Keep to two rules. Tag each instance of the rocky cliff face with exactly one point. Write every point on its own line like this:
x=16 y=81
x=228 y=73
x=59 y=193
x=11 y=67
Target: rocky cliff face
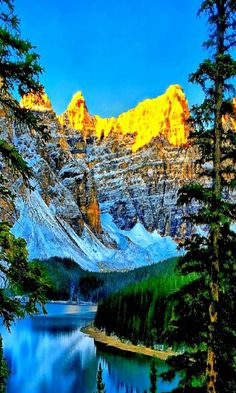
x=143 y=186
x=139 y=160
x=63 y=180
x=162 y=116
x=105 y=190
x=39 y=102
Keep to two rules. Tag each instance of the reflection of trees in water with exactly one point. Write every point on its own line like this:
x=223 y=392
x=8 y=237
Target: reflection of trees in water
x=123 y=372
x=126 y=372
x=55 y=325
x=84 y=375
x=51 y=354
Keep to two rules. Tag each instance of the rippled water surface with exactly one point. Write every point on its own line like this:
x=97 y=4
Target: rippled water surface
x=49 y=354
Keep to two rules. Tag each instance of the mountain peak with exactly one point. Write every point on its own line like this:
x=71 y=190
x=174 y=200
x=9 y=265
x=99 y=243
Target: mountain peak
x=165 y=115
x=78 y=96
x=36 y=102
x=76 y=114
x=174 y=89
x=77 y=101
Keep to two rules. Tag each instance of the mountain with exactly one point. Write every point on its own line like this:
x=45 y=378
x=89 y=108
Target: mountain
x=165 y=115
x=105 y=190
x=139 y=160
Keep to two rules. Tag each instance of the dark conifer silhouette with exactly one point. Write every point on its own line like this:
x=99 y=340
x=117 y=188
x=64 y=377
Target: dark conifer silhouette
x=153 y=378
x=100 y=384
x=202 y=323
x=19 y=73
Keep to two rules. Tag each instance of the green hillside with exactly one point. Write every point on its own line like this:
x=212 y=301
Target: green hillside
x=141 y=311
x=69 y=281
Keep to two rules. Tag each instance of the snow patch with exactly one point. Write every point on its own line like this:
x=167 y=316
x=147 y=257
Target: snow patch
x=48 y=235
x=139 y=244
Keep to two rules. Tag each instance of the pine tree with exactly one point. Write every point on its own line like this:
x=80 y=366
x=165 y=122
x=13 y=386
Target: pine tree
x=3 y=370
x=19 y=74
x=153 y=378
x=100 y=384
x=19 y=71
x=19 y=67
x=203 y=323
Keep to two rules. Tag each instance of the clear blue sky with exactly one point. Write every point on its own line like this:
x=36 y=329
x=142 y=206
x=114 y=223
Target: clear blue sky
x=118 y=52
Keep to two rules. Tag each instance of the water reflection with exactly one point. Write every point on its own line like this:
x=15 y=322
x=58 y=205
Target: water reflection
x=49 y=354
x=129 y=373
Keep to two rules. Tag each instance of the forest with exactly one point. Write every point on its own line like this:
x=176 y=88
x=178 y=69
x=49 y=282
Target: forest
x=67 y=281
x=142 y=311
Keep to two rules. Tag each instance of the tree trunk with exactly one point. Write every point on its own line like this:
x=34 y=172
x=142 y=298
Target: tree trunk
x=211 y=371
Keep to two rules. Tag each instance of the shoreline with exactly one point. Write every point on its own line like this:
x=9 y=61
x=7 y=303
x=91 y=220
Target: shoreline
x=70 y=302
x=114 y=342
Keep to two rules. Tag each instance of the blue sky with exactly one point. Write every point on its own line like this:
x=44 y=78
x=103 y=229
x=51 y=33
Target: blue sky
x=117 y=52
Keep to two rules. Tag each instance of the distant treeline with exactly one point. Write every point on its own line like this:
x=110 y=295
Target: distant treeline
x=141 y=312
x=68 y=281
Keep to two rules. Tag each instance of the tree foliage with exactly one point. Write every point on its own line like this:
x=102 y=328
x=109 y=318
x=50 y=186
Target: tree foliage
x=100 y=384
x=19 y=65
x=19 y=74
x=140 y=312
x=64 y=273
x=3 y=369
x=153 y=378
x=203 y=320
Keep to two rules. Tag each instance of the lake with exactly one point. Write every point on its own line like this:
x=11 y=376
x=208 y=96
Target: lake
x=49 y=354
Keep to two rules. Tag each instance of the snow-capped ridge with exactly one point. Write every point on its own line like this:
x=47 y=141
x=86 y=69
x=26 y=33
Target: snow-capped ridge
x=48 y=235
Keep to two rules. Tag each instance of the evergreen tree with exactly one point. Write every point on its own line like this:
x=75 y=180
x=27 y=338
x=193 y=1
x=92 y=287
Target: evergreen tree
x=153 y=378
x=19 y=71
x=100 y=384
x=19 y=67
x=3 y=370
x=19 y=74
x=202 y=324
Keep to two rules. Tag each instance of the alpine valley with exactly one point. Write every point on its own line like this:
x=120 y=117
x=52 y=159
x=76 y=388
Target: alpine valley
x=103 y=191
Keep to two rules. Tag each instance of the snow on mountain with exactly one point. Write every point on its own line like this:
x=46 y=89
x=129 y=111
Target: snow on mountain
x=140 y=245
x=104 y=196
x=47 y=236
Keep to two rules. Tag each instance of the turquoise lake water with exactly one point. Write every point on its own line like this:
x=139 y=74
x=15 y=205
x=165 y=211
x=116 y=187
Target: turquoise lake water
x=49 y=354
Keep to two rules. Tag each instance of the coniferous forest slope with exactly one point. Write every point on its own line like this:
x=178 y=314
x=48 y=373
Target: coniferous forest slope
x=140 y=312
x=67 y=281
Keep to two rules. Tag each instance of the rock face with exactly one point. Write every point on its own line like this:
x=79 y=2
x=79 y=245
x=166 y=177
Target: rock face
x=63 y=180
x=77 y=116
x=165 y=115
x=37 y=102
x=143 y=186
x=139 y=160
x=105 y=190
